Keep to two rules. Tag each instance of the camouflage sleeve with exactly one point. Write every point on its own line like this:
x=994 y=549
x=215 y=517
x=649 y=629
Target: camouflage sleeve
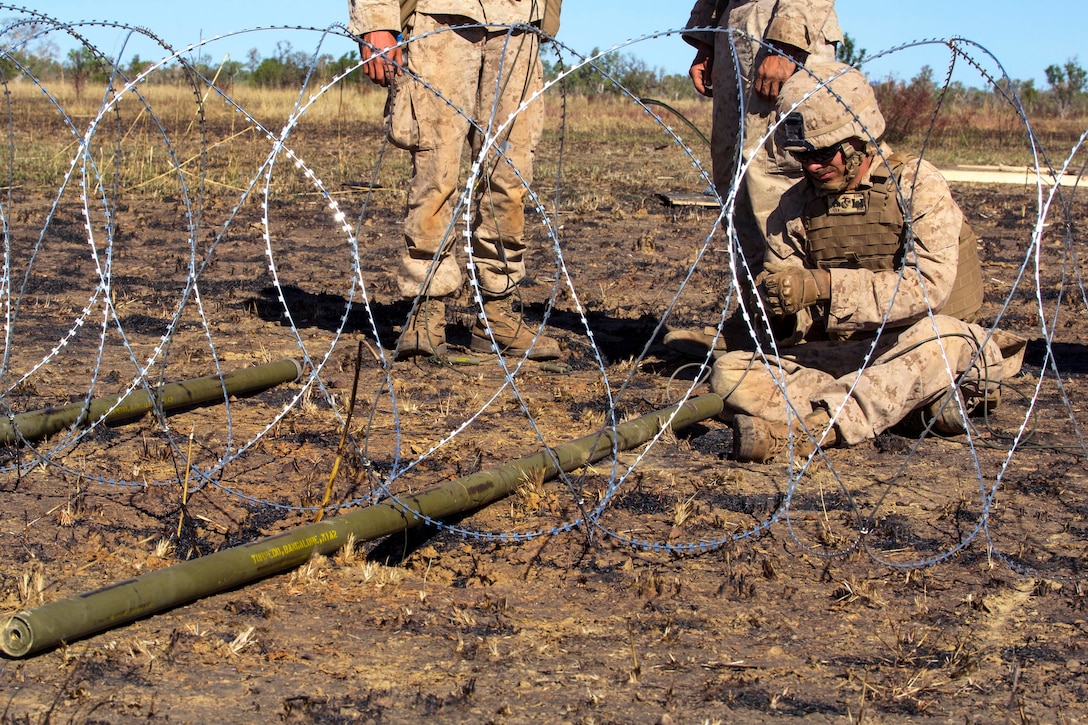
x=862 y=300
x=786 y=238
x=703 y=15
x=786 y=241
x=804 y=24
x=368 y=15
x=365 y=16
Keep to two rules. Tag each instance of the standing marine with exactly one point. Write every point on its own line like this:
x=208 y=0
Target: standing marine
x=466 y=67
x=762 y=43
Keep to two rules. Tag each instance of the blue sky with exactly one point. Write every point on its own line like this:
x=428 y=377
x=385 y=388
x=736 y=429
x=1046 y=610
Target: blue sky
x=1024 y=42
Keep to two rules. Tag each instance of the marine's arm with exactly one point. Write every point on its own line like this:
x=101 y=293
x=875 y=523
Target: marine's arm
x=377 y=23
x=703 y=15
x=794 y=30
x=366 y=16
x=784 y=263
x=800 y=24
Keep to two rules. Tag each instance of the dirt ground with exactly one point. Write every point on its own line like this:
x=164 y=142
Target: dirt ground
x=901 y=580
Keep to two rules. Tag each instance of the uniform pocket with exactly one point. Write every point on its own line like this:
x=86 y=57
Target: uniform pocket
x=400 y=112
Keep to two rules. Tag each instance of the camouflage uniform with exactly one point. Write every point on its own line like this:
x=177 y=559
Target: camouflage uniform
x=811 y=26
x=821 y=364
x=466 y=66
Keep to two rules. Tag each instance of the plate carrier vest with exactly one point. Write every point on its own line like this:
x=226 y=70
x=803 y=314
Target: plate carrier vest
x=874 y=237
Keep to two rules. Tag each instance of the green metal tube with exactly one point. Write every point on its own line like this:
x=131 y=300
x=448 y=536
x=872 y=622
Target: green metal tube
x=67 y=620
x=38 y=424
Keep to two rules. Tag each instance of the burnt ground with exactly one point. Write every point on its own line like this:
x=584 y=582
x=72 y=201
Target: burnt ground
x=840 y=593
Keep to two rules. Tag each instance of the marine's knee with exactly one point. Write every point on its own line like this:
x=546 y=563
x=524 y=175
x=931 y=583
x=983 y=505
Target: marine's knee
x=729 y=373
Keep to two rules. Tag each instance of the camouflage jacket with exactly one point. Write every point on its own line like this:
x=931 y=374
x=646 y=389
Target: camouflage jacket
x=862 y=299
x=369 y=15
x=802 y=24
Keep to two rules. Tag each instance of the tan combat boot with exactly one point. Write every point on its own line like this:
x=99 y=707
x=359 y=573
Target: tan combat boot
x=948 y=420
x=735 y=335
x=697 y=343
x=425 y=332
x=513 y=335
x=759 y=440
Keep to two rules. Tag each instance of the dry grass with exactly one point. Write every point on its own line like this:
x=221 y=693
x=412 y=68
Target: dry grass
x=995 y=137
x=31 y=585
x=241 y=641
x=164 y=549
x=613 y=149
x=177 y=107
x=614 y=118
x=349 y=553
x=684 y=510
x=533 y=498
x=147 y=141
x=379 y=575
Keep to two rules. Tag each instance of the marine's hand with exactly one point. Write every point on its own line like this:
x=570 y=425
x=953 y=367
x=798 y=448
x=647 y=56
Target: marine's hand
x=701 y=69
x=792 y=290
x=382 y=59
x=773 y=72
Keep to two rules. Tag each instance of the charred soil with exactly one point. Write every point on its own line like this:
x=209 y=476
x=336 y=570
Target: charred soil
x=856 y=601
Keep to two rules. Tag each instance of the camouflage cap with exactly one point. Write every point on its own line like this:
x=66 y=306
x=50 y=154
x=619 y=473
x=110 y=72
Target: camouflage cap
x=844 y=108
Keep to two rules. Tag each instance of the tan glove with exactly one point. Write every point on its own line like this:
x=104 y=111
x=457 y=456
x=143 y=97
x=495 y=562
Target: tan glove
x=792 y=290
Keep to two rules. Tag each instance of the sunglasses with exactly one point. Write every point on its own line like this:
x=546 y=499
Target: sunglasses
x=818 y=156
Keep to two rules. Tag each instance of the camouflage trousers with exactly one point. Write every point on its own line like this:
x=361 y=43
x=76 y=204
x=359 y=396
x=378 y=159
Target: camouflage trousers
x=907 y=370
x=483 y=77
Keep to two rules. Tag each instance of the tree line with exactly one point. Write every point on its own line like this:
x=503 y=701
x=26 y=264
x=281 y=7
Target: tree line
x=610 y=75
x=286 y=68
x=909 y=104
